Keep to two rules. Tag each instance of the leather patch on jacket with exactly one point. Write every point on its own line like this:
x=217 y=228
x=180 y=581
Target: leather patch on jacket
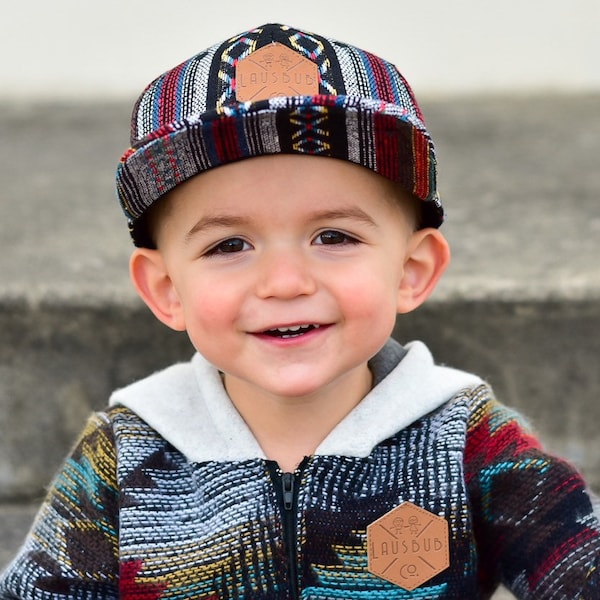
x=273 y=71
x=408 y=546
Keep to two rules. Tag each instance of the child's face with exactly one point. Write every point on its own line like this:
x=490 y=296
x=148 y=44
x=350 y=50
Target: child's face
x=286 y=271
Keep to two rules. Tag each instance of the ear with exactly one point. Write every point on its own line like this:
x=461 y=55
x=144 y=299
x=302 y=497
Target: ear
x=151 y=280
x=427 y=257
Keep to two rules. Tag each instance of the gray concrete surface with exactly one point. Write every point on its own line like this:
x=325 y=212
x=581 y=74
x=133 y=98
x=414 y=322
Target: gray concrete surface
x=519 y=305
x=16 y=521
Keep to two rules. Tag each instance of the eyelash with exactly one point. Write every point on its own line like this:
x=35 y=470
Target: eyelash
x=342 y=239
x=218 y=249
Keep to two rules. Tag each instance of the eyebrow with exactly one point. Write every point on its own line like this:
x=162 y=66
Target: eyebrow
x=214 y=221
x=352 y=212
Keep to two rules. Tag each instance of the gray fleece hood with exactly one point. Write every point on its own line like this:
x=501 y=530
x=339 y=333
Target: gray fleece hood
x=188 y=405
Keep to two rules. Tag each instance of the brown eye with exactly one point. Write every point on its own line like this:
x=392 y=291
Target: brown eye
x=232 y=245
x=332 y=236
x=229 y=246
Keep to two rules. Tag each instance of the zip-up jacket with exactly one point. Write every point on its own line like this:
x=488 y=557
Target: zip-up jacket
x=168 y=495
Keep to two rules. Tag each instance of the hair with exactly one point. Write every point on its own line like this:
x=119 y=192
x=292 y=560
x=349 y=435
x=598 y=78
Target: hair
x=148 y=225
x=411 y=206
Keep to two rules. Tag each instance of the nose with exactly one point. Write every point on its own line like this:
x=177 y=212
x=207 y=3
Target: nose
x=285 y=273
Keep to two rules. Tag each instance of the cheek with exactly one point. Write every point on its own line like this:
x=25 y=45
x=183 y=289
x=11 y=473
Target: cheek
x=208 y=306
x=210 y=316
x=370 y=294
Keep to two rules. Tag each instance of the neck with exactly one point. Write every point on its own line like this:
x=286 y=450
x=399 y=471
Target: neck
x=290 y=428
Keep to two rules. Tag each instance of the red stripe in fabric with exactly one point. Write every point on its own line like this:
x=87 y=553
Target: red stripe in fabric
x=168 y=100
x=152 y=166
x=170 y=152
x=572 y=484
x=421 y=165
x=386 y=146
x=225 y=134
x=383 y=85
x=559 y=553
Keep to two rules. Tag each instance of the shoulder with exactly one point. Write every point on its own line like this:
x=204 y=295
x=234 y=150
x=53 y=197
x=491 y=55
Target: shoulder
x=495 y=430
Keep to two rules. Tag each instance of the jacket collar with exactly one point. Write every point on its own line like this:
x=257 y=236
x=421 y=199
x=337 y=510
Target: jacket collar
x=189 y=407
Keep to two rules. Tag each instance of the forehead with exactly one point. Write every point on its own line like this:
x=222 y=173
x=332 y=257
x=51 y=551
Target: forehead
x=288 y=186
x=297 y=178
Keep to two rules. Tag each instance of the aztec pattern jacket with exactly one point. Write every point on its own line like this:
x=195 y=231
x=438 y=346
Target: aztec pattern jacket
x=168 y=495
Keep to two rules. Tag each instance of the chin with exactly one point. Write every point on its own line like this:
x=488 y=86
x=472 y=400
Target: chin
x=291 y=393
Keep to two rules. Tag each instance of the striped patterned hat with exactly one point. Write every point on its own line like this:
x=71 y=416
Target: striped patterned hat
x=272 y=90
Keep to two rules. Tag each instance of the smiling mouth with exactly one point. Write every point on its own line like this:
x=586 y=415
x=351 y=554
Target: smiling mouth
x=290 y=332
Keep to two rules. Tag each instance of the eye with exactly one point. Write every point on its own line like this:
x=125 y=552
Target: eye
x=333 y=237
x=228 y=246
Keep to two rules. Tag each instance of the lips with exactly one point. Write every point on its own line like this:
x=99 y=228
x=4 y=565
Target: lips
x=291 y=331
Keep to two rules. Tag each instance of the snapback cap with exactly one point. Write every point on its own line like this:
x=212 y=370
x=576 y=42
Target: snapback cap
x=275 y=90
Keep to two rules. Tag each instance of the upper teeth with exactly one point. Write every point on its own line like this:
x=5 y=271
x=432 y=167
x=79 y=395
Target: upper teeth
x=295 y=328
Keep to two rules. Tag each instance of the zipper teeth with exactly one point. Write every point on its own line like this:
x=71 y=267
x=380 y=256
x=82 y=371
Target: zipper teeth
x=289 y=501
x=295 y=472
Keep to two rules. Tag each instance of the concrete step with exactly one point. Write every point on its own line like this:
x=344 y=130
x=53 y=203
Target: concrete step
x=520 y=304
x=15 y=521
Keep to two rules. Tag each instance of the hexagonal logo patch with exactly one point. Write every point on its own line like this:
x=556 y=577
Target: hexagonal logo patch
x=275 y=70
x=408 y=546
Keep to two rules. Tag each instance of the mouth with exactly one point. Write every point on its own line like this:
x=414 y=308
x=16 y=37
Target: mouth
x=292 y=331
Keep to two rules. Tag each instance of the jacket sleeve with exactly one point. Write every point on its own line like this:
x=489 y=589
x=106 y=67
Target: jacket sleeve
x=72 y=549
x=535 y=526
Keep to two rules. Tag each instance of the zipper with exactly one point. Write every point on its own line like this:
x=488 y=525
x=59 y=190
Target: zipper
x=286 y=489
x=287 y=485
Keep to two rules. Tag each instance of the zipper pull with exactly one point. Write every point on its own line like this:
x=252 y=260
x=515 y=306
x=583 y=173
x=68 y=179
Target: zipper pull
x=287 y=483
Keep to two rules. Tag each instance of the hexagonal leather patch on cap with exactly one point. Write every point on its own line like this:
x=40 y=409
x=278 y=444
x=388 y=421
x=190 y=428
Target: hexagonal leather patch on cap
x=275 y=70
x=408 y=546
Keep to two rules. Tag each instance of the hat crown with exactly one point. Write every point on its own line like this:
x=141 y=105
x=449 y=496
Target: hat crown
x=228 y=103
x=208 y=82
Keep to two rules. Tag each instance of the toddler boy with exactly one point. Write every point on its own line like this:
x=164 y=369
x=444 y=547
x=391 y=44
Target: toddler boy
x=281 y=194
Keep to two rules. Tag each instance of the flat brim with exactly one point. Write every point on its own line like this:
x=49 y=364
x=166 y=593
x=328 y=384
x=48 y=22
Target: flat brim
x=379 y=136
